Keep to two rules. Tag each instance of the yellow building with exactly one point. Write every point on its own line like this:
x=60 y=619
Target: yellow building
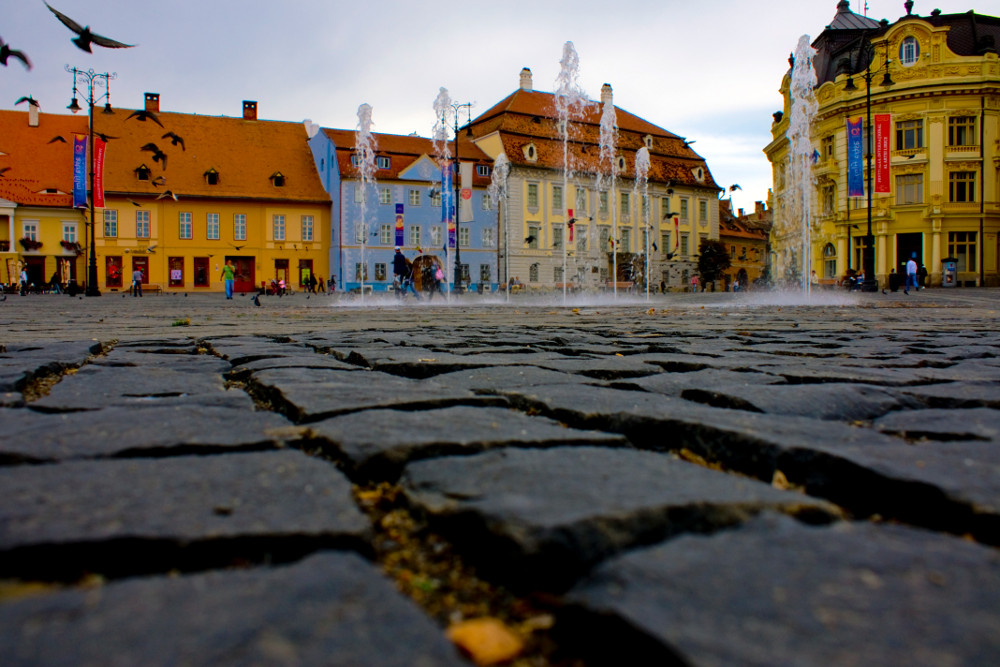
x=187 y=193
x=610 y=227
x=938 y=77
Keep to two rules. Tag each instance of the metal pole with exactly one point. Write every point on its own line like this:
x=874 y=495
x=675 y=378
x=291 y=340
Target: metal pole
x=870 y=284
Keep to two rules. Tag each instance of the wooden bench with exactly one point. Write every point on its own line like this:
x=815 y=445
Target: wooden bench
x=570 y=287
x=152 y=288
x=622 y=285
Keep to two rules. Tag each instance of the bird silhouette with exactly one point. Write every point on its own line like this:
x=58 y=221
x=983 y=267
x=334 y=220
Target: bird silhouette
x=175 y=139
x=238 y=247
x=167 y=193
x=134 y=202
x=56 y=138
x=529 y=239
x=158 y=181
x=104 y=137
x=29 y=99
x=256 y=300
x=4 y=170
x=7 y=52
x=84 y=37
x=144 y=115
x=734 y=186
x=655 y=249
x=158 y=155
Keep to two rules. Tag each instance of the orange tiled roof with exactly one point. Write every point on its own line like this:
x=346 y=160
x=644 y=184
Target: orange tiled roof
x=530 y=117
x=245 y=153
x=35 y=164
x=403 y=151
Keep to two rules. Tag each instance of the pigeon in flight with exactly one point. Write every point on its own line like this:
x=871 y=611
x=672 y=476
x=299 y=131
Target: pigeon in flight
x=104 y=137
x=56 y=138
x=7 y=52
x=158 y=155
x=144 y=115
x=29 y=99
x=168 y=193
x=529 y=239
x=85 y=38
x=4 y=170
x=158 y=181
x=175 y=139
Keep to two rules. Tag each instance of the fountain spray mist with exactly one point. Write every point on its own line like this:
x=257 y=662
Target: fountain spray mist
x=498 y=193
x=443 y=113
x=607 y=178
x=641 y=187
x=801 y=181
x=364 y=148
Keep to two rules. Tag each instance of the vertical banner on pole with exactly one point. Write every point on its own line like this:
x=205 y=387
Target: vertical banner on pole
x=465 y=206
x=448 y=203
x=855 y=168
x=79 y=170
x=882 y=122
x=399 y=225
x=99 y=149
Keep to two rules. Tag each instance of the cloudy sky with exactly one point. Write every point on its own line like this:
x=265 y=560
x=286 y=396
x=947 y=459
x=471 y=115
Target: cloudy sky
x=708 y=70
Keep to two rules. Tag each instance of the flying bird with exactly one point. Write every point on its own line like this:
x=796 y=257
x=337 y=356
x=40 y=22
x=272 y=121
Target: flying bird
x=158 y=155
x=104 y=137
x=29 y=99
x=56 y=138
x=238 y=247
x=256 y=300
x=175 y=139
x=4 y=170
x=167 y=193
x=529 y=239
x=85 y=38
x=7 y=52
x=734 y=186
x=144 y=115
x=134 y=202
x=158 y=181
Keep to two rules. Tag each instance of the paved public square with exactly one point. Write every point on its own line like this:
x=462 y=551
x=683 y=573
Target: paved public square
x=697 y=479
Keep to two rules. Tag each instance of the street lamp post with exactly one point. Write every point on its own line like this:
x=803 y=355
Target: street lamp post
x=91 y=79
x=458 y=191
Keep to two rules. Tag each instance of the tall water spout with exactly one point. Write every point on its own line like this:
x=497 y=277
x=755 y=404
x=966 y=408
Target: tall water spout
x=607 y=177
x=498 y=193
x=443 y=114
x=640 y=194
x=570 y=99
x=801 y=181
x=364 y=148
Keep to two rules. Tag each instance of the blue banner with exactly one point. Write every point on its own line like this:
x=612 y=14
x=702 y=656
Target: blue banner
x=79 y=170
x=399 y=225
x=448 y=203
x=855 y=153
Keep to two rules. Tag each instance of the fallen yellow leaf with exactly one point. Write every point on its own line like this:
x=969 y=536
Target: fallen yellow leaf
x=486 y=640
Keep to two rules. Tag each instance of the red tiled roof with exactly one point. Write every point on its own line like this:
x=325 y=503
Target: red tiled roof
x=35 y=164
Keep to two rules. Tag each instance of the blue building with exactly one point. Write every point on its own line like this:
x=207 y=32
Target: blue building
x=403 y=207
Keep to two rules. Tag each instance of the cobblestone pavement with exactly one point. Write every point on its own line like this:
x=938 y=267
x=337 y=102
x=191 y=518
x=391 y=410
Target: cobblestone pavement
x=699 y=479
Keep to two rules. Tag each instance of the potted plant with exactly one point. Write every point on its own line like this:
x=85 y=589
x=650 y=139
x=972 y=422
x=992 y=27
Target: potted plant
x=30 y=244
x=72 y=246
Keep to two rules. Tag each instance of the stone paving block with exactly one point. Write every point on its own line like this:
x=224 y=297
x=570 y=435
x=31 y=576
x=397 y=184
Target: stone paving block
x=542 y=517
x=245 y=349
x=311 y=394
x=153 y=431
x=145 y=515
x=330 y=609
x=179 y=362
x=246 y=369
x=827 y=401
x=601 y=368
x=414 y=362
x=674 y=383
x=957 y=395
x=939 y=424
x=19 y=364
x=817 y=371
x=777 y=592
x=967 y=370
x=94 y=387
x=496 y=378
x=376 y=444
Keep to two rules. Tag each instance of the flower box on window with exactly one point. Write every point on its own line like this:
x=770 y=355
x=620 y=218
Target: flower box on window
x=30 y=244
x=72 y=246
x=5 y=246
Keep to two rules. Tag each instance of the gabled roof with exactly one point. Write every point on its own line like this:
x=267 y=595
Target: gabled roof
x=35 y=164
x=403 y=151
x=528 y=117
x=245 y=153
x=845 y=19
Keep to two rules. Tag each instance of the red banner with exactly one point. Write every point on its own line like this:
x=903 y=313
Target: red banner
x=99 y=146
x=882 y=158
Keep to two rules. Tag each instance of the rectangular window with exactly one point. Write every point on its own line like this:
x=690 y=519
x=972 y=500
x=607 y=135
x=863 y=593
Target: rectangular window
x=487 y=237
x=113 y=270
x=415 y=235
x=533 y=273
x=355 y=160
x=684 y=245
x=962 y=246
x=437 y=240
x=962 y=186
x=557 y=198
x=483 y=170
x=684 y=210
x=212 y=226
x=69 y=232
x=30 y=231
x=828 y=194
x=532 y=195
x=380 y=271
x=435 y=197
x=603 y=203
x=240 y=227
x=464 y=237
x=702 y=211
x=185 y=228
x=485 y=275
x=626 y=241
x=385 y=234
x=580 y=234
x=385 y=195
x=645 y=241
x=645 y=206
x=581 y=201
x=909 y=134
x=414 y=197
x=279 y=227
x=557 y=236
x=962 y=131
x=464 y=270
x=557 y=273
x=664 y=206
x=532 y=238
x=624 y=204
x=486 y=202
x=142 y=224
x=359 y=195
x=910 y=189
x=307 y=228
x=110 y=223
x=827 y=147
x=382 y=162
x=360 y=229
x=605 y=239
x=665 y=246
x=357 y=271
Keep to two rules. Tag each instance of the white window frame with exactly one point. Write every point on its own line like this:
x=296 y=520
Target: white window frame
x=488 y=237
x=143 y=227
x=278 y=226
x=185 y=225
x=385 y=234
x=414 y=197
x=212 y=226
x=30 y=230
x=110 y=223
x=414 y=237
x=384 y=195
x=239 y=226
x=437 y=240
x=307 y=227
x=70 y=232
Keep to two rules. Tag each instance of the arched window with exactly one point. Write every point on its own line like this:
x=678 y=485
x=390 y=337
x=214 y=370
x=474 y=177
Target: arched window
x=829 y=261
x=909 y=51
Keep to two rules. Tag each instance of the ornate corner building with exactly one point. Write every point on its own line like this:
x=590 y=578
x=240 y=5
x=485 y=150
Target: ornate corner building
x=937 y=78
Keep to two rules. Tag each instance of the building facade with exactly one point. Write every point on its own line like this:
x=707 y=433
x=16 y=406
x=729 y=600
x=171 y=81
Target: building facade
x=746 y=238
x=402 y=205
x=937 y=77
x=556 y=218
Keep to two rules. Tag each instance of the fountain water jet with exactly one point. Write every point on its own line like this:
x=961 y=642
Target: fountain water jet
x=607 y=177
x=443 y=111
x=498 y=193
x=364 y=148
x=641 y=187
x=801 y=181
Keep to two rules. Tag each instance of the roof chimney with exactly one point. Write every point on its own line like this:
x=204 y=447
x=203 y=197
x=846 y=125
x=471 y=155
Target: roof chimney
x=32 y=115
x=759 y=207
x=153 y=102
x=607 y=97
x=249 y=110
x=526 y=79
x=740 y=214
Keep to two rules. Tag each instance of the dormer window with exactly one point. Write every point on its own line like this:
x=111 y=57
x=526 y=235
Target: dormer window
x=699 y=174
x=483 y=170
x=382 y=162
x=278 y=179
x=530 y=153
x=648 y=141
x=621 y=163
x=355 y=160
x=212 y=177
x=142 y=173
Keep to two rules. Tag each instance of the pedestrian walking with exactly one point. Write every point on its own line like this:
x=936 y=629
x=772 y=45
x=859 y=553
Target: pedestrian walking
x=436 y=278
x=229 y=278
x=54 y=284
x=24 y=281
x=911 y=273
x=136 y=282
